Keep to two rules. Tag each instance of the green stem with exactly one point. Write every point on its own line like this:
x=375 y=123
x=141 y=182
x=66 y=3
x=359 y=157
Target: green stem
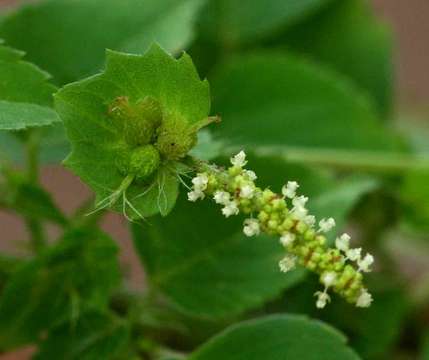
x=369 y=161
x=34 y=226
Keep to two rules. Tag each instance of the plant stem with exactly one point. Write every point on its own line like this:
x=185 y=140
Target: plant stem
x=369 y=161
x=34 y=226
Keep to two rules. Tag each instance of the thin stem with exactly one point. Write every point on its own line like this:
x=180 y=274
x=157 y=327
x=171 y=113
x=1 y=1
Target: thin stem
x=369 y=161
x=34 y=226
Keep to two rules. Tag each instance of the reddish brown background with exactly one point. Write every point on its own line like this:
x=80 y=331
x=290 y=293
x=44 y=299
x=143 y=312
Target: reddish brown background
x=408 y=19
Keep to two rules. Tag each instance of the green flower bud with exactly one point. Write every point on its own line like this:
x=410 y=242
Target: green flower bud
x=144 y=161
x=175 y=137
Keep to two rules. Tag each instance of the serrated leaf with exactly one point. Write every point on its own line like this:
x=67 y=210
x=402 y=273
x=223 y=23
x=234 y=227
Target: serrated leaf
x=196 y=252
x=280 y=99
x=96 y=139
x=78 y=272
x=93 y=336
x=232 y=24
x=69 y=37
x=25 y=93
x=277 y=337
x=349 y=37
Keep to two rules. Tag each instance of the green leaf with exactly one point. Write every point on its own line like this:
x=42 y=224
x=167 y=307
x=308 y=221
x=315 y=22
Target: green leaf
x=77 y=273
x=25 y=93
x=98 y=140
x=196 y=252
x=30 y=200
x=94 y=336
x=69 y=37
x=280 y=99
x=350 y=38
x=231 y=23
x=277 y=337
x=425 y=347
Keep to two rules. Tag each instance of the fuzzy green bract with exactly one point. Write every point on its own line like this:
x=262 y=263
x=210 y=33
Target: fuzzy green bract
x=132 y=126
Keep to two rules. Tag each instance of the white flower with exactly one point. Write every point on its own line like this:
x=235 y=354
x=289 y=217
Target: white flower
x=322 y=299
x=365 y=263
x=326 y=225
x=195 y=195
x=287 y=263
x=251 y=227
x=251 y=175
x=310 y=220
x=221 y=197
x=289 y=190
x=239 y=160
x=329 y=278
x=364 y=299
x=287 y=239
x=200 y=182
x=343 y=242
x=354 y=254
x=299 y=201
x=300 y=213
x=247 y=192
x=230 y=209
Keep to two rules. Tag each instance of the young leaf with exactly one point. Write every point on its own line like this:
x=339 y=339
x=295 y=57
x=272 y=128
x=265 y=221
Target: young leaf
x=359 y=46
x=280 y=99
x=93 y=336
x=77 y=273
x=187 y=248
x=25 y=93
x=69 y=37
x=277 y=337
x=130 y=127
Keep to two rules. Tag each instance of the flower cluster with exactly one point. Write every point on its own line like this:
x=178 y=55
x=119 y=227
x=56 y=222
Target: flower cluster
x=285 y=215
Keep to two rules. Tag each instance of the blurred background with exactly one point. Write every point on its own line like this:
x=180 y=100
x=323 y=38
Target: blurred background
x=408 y=21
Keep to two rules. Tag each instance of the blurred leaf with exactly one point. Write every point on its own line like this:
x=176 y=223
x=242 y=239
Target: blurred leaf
x=8 y=265
x=196 y=252
x=78 y=272
x=350 y=38
x=54 y=145
x=425 y=348
x=277 y=337
x=69 y=37
x=414 y=195
x=340 y=200
x=31 y=200
x=231 y=23
x=25 y=93
x=93 y=336
x=279 y=99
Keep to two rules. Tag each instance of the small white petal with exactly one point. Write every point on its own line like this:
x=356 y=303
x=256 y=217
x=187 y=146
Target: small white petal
x=364 y=299
x=299 y=201
x=365 y=263
x=195 y=195
x=221 y=197
x=343 y=242
x=287 y=263
x=287 y=239
x=200 y=182
x=322 y=299
x=310 y=220
x=251 y=227
x=300 y=213
x=247 y=192
x=251 y=175
x=230 y=209
x=329 y=278
x=354 y=254
x=326 y=225
x=239 y=160
x=289 y=190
